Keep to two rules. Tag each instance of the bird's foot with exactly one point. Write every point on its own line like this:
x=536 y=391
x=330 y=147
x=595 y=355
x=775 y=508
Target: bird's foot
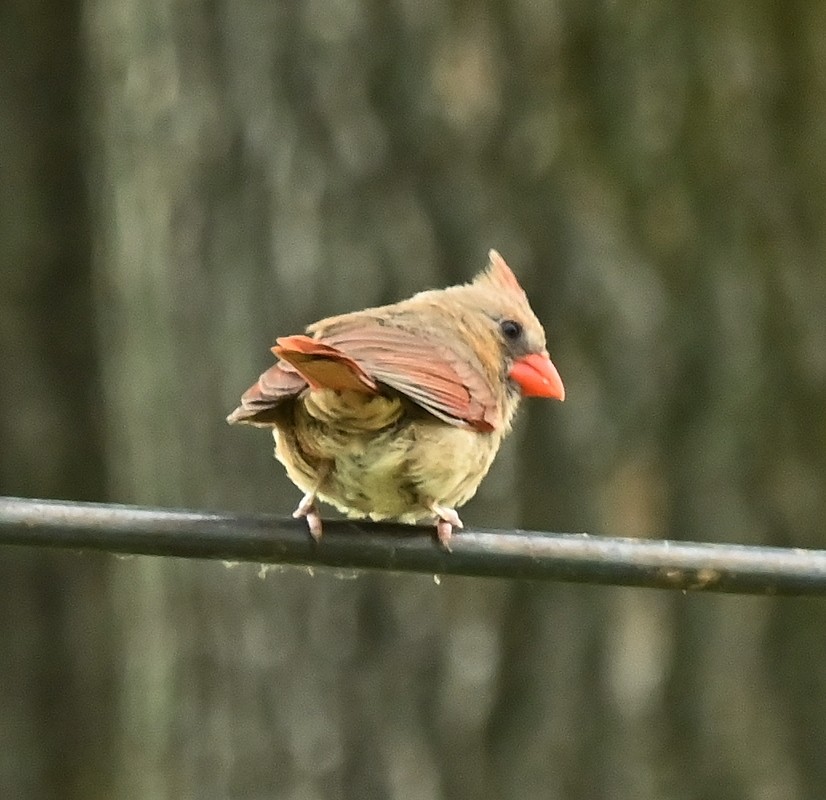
x=446 y=520
x=307 y=509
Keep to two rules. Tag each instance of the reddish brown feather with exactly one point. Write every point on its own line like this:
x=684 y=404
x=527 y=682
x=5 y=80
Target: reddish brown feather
x=280 y=380
x=260 y=401
x=425 y=371
x=322 y=366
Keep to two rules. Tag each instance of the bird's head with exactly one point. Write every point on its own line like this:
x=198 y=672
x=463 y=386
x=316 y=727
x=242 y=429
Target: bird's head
x=518 y=331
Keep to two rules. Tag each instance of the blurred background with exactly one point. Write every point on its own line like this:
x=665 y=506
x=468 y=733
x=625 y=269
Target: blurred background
x=182 y=181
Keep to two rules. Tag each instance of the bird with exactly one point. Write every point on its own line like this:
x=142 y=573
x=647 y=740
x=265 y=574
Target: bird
x=397 y=412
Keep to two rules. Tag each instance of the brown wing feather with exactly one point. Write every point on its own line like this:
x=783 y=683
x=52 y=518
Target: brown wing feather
x=322 y=366
x=426 y=371
x=259 y=403
x=355 y=351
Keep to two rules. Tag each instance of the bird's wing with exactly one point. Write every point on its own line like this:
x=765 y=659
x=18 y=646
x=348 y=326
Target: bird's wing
x=357 y=352
x=427 y=371
x=260 y=402
x=323 y=366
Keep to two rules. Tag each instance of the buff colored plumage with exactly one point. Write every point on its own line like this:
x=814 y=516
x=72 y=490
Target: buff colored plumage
x=397 y=412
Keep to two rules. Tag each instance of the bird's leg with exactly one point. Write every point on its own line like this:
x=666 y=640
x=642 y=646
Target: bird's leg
x=446 y=520
x=307 y=509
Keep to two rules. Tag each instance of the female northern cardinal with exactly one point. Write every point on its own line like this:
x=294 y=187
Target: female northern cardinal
x=397 y=412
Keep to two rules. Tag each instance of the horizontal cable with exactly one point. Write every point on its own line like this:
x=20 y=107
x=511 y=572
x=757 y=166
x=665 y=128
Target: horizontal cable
x=349 y=545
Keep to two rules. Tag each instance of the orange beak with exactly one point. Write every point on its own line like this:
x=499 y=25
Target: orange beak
x=537 y=377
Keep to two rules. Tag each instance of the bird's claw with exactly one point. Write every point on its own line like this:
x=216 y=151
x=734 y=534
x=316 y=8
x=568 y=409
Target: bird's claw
x=447 y=520
x=307 y=509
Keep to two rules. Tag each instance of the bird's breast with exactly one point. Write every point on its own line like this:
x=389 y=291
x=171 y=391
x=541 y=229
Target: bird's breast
x=368 y=457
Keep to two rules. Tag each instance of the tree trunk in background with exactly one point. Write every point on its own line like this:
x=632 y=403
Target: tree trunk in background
x=655 y=176
x=690 y=330
x=244 y=208
x=55 y=636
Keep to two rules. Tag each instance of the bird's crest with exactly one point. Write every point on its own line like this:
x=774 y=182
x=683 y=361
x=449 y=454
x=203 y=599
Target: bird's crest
x=499 y=275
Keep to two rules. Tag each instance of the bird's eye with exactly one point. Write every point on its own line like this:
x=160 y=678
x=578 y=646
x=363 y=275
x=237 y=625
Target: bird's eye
x=511 y=329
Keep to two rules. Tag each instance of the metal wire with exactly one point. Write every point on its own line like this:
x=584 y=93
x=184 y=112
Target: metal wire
x=578 y=557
